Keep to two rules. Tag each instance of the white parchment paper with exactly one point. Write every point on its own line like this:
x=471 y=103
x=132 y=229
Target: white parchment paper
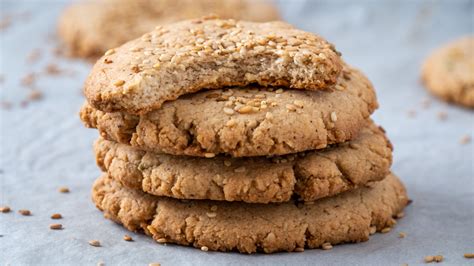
x=44 y=145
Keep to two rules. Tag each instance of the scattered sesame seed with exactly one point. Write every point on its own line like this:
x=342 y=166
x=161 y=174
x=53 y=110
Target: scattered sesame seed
x=161 y=240
x=299 y=249
x=438 y=258
x=119 y=83
x=127 y=238
x=63 y=190
x=214 y=208
x=326 y=246
x=239 y=169
x=279 y=91
x=228 y=111
x=154 y=264
x=386 y=230
x=55 y=226
x=298 y=103
x=333 y=117
x=110 y=52
x=400 y=215
x=402 y=235
x=372 y=230
x=465 y=139
x=157 y=66
x=5 y=209
x=291 y=107
x=209 y=155
x=245 y=109
x=429 y=259
x=204 y=248
x=469 y=255
x=94 y=243
x=56 y=216
x=227 y=163
x=25 y=212
x=211 y=214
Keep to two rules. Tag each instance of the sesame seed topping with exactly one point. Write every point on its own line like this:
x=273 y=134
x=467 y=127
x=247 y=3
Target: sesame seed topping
x=386 y=230
x=299 y=249
x=204 y=248
x=333 y=117
x=127 y=238
x=231 y=123
x=209 y=155
x=228 y=111
x=5 y=209
x=214 y=208
x=94 y=243
x=326 y=246
x=291 y=107
x=279 y=91
x=119 y=83
x=372 y=230
x=154 y=264
x=55 y=226
x=400 y=215
x=56 y=216
x=239 y=169
x=469 y=255
x=227 y=163
x=161 y=240
x=402 y=235
x=63 y=190
x=25 y=212
x=110 y=52
x=298 y=103
x=245 y=109
x=211 y=214
x=157 y=66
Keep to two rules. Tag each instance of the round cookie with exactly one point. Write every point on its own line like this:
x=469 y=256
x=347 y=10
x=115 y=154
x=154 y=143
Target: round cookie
x=449 y=72
x=248 y=228
x=245 y=122
x=111 y=23
x=309 y=176
x=194 y=55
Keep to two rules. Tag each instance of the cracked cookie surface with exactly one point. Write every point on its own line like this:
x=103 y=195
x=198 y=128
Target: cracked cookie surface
x=251 y=121
x=449 y=72
x=248 y=228
x=189 y=56
x=310 y=175
x=111 y=23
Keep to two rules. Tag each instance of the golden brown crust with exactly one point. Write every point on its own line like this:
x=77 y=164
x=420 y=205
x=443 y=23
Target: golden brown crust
x=245 y=122
x=111 y=23
x=310 y=175
x=194 y=55
x=449 y=72
x=249 y=228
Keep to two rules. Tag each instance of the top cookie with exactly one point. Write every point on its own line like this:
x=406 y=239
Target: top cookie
x=111 y=23
x=449 y=72
x=193 y=55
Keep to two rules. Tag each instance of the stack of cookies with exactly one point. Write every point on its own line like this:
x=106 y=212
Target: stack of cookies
x=231 y=135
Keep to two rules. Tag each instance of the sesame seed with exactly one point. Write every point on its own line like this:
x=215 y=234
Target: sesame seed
x=94 y=243
x=400 y=215
x=469 y=255
x=119 y=82
x=239 y=169
x=291 y=107
x=127 y=238
x=245 y=109
x=161 y=240
x=231 y=123
x=228 y=111
x=386 y=230
x=55 y=226
x=333 y=117
x=299 y=249
x=157 y=66
x=438 y=258
x=110 y=52
x=326 y=246
x=154 y=264
x=298 y=103
x=227 y=163
x=268 y=115
x=5 y=209
x=204 y=248
x=402 y=235
x=25 y=212
x=56 y=216
x=429 y=259
x=214 y=208
x=279 y=91
x=372 y=229
x=211 y=214
x=63 y=190
x=152 y=230
x=209 y=155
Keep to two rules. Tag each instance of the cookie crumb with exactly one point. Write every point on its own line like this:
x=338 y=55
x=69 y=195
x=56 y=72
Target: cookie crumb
x=465 y=139
x=326 y=246
x=56 y=216
x=204 y=248
x=55 y=226
x=5 y=209
x=127 y=238
x=386 y=230
x=64 y=190
x=24 y=212
x=402 y=235
x=469 y=255
x=442 y=115
x=94 y=243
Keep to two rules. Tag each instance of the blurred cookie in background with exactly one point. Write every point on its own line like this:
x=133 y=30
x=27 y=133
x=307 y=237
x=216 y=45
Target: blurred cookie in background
x=89 y=28
x=449 y=72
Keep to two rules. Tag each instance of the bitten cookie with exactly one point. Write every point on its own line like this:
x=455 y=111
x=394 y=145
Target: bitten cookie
x=111 y=23
x=309 y=176
x=251 y=121
x=247 y=228
x=194 y=55
x=449 y=72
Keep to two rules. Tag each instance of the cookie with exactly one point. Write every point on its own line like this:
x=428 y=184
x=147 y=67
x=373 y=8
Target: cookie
x=449 y=72
x=111 y=23
x=248 y=228
x=310 y=175
x=251 y=121
x=194 y=55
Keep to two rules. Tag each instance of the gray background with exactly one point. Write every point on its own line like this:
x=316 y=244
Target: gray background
x=44 y=145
